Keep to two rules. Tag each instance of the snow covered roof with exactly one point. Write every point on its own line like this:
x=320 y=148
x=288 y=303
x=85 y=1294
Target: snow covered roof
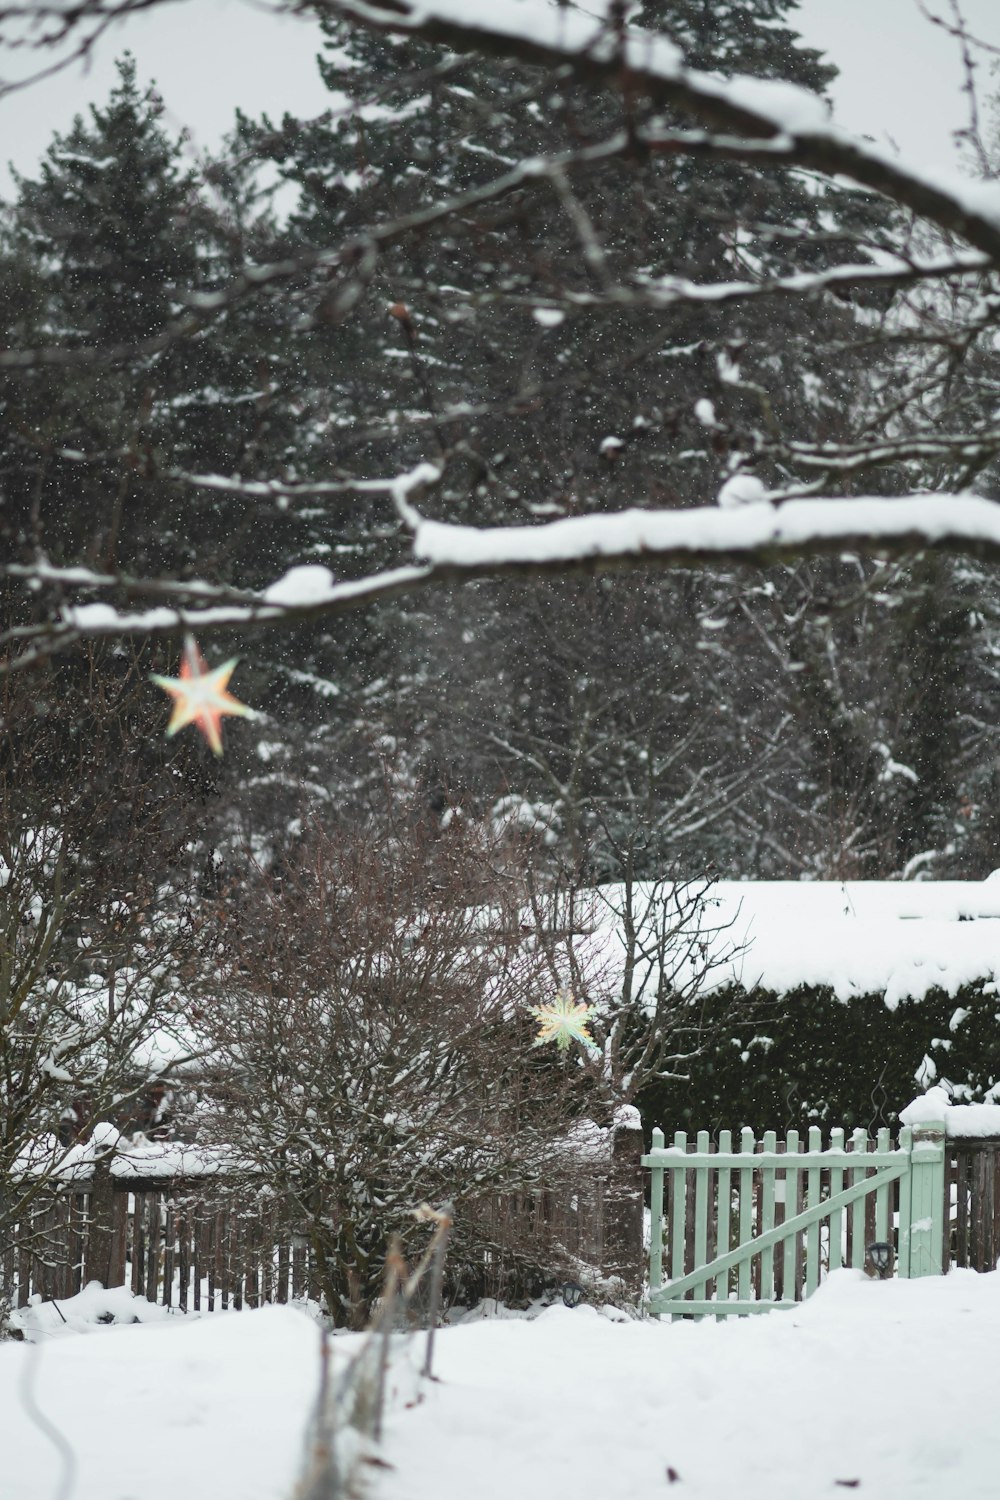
x=895 y=939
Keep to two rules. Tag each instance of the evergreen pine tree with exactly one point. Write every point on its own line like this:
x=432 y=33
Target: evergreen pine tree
x=442 y=355
x=102 y=250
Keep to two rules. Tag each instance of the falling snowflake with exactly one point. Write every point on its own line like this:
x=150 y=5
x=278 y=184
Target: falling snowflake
x=563 y=1020
x=200 y=696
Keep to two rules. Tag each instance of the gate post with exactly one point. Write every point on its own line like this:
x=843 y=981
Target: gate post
x=622 y=1247
x=922 y=1208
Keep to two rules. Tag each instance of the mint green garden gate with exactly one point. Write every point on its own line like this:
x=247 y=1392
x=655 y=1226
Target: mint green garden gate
x=754 y=1229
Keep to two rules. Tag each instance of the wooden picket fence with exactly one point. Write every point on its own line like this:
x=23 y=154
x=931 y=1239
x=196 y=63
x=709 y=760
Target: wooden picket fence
x=973 y=1204
x=174 y=1247
x=169 y=1243
x=208 y=1243
x=748 y=1230
x=732 y=1238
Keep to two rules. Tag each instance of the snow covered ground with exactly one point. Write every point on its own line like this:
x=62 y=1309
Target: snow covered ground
x=177 y=1409
x=891 y=1389
x=893 y=1386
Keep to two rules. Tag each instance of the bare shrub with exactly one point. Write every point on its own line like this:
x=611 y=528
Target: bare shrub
x=373 y=1019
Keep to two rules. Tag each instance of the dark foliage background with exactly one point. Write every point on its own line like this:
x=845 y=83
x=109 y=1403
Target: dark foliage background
x=807 y=1058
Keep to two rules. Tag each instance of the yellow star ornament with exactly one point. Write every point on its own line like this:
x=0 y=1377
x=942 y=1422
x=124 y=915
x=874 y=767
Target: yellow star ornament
x=563 y=1020
x=200 y=696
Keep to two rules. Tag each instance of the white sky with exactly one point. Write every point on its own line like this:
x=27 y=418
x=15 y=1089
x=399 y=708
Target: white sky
x=900 y=76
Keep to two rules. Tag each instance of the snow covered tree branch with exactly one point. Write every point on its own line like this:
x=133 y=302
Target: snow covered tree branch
x=786 y=122
x=759 y=535
x=759 y=123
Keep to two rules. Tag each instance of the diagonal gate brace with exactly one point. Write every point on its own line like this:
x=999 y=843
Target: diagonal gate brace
x=804 y=1220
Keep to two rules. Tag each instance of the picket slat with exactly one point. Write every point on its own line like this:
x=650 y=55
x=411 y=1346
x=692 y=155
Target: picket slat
x=656 y=1221
x=883 y=1198
x=982 y=1210
x=813 y=1187
x=859 y=1144
x=168 y=1252
x=183 y=1259
x=767 y=1220
x=284 y=1255
x=905 y=1208
x=138 y=1244
x=793 y=1208
x=198 y=1247
x=724 y=1217
x=789 y=1196
x=957 y=1179
x=153 y=1246
x=678 y=1212
x=835 y=1258
x=747 y=1144
x=701 y=1199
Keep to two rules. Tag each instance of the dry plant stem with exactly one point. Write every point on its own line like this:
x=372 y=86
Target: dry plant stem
x=440 y=1243
x=394 y=1268
x=320 y=1481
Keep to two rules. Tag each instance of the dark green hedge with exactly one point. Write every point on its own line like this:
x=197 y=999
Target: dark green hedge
x=807 y=1058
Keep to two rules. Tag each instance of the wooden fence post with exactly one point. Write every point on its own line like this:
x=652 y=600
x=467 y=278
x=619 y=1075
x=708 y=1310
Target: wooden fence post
x=624 y=1199
x=922 y=1218
x=104 y=1258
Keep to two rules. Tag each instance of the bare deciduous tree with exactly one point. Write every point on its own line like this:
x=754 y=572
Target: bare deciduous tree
x=646 y=955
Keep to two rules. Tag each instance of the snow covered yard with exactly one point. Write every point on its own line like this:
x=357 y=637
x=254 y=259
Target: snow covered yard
x=178 y=1409
x=892 y=1385
x=888 y=1388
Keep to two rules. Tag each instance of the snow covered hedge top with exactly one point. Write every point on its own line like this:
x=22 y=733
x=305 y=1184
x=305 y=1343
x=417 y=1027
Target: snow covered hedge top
x=962 y=1122
x=899 y=940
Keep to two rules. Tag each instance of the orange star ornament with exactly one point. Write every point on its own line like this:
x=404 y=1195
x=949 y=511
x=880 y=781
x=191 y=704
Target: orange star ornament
x=200 y=696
